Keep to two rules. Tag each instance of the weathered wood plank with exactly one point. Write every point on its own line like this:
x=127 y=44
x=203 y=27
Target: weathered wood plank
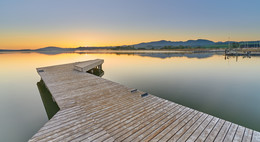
x=139 y=135
x=199 y=130
x=256 y=136
x=191 y=130
x=247 y=135
x=222 y=133
x=162 y=125
x=180 y=131
x=155 y=118
x=102 y=123
x=207 y=130
x=215 y=131
x=231 y=133
x=239 y=134
x=177 y=122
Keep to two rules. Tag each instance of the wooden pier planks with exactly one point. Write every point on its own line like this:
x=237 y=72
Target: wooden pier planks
x=96 y=109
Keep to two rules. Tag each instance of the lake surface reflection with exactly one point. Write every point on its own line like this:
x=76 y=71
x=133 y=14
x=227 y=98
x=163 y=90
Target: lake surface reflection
x=227 y=88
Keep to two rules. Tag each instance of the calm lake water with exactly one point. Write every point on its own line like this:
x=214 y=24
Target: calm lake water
x=229 y=89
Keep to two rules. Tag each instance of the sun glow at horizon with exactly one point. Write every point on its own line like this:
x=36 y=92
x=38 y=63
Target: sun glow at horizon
x=31 y=42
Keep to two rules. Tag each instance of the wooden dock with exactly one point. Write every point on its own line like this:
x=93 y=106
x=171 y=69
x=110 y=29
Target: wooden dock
x=96 y=109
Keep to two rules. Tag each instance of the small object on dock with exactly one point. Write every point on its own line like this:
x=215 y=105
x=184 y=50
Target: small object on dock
x=144 y=95
x=134 y=90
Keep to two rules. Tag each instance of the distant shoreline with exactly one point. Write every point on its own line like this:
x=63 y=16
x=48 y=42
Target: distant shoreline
x=149 y=51
x=163 y=51
x=118 y=51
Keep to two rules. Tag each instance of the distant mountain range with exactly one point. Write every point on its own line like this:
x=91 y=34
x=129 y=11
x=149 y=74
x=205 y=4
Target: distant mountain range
x=55 y=49
x=51 y=48
x=145 y=45
x=162 y=43
x=190 y=43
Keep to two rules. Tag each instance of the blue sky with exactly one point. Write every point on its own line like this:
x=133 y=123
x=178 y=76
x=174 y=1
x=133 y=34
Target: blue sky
x=67 y=23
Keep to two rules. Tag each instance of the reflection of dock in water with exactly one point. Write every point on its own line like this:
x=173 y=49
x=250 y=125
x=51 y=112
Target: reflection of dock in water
x=239 y=53
x=248 y=54
x=242 y=52
x=96 y=109
x=50 y=105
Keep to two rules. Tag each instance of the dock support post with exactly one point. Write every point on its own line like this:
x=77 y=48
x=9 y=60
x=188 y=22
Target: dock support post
x=100 y=67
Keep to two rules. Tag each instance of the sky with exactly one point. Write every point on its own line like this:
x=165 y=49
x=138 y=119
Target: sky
x=31 y=24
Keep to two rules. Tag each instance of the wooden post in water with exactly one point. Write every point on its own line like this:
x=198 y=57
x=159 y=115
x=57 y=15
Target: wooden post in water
x=100 y=67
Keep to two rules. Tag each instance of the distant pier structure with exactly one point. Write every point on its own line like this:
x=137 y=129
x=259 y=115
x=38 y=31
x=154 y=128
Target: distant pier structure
x=245 y=49
x=96 y=109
